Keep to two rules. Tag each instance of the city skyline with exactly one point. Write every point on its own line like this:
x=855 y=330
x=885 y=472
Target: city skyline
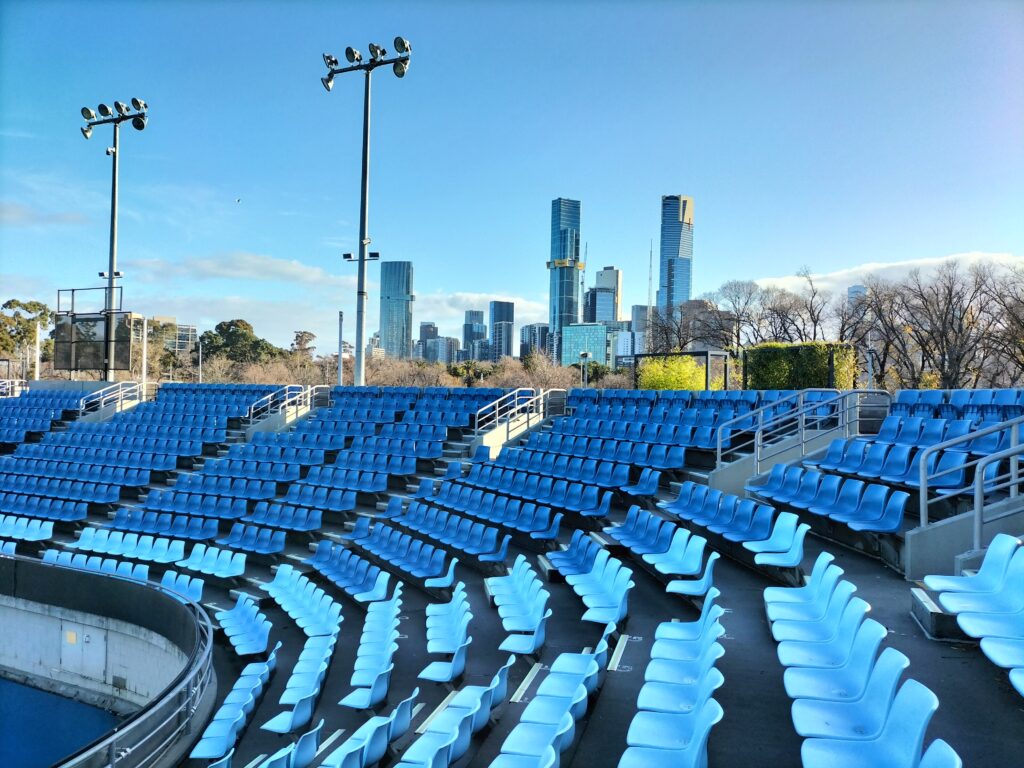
x=793 y=165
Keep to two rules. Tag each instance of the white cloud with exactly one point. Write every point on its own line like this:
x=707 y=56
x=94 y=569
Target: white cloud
x=18 y=215
x=239 y=266
x=839 y=280
x=448 y=310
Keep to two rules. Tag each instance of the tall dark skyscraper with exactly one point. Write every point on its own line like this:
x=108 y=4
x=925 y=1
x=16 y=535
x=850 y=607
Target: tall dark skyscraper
x=565 y=268
x=503 y=317
x=533 y=338
x=676 y=259
x=396 y=298
x=473 y=329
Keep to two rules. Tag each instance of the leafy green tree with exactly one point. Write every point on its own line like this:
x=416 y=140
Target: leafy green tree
x=18 y=320
x=671 y=373
x=237 y=341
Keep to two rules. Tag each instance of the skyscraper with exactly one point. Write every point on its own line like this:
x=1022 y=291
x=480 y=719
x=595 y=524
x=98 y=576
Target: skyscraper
x=611 y=278
x=396 y=298
x=503 y=313
x=599 y=305
x=676 y=260
x=564 y=266
x=428 y=331
x=533 y=338
x=473 y=329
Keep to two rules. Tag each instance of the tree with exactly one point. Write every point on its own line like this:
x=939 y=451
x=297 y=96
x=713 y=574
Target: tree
x=303 y=343
x=236 y=340
x=18 y=321
x=671 y=373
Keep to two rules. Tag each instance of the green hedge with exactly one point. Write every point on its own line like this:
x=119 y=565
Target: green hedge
x=799 y=366
x=671 y=373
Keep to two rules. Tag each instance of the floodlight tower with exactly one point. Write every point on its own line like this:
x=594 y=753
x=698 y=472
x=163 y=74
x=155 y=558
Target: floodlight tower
x=114 y=117
x=399 y=65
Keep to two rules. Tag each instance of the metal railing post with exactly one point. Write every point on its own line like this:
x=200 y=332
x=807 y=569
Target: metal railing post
x=1014 y=460
x=979 y=502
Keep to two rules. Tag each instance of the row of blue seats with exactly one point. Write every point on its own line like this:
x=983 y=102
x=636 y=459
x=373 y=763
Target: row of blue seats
x=846 y=704
x=46 y=508
x=12 y=435
x=222 y=563
x=448 y=625
x=561 y=493
x=203 y=505
x=603 y=583
x=641 y=432
x=302 y=688
x=522 y=604
x=470 y=537
x=586 y=500
x=776 y=540
x=156 y=428
x=96 y=493
x=279 y=472
x=863 y=507
x=558 y=464
x=413 y=557
x=255 y=539
x=191 y=389
x=339 y=477
x=634 y=427
x=318 y=441
x=245 y=626
x=413 y=431
x=362 y=459
x=669 y=549
x=98 y=456
x=368 y=744
x=675 y=708
x=171 y=446
x=26 y=422
x=321 y=497
x=25 y=528
x=65 y=470
x=275 y=452
x=458 y=419
x=713 y=412
x=989 y=605
x=344 y=413
x=547 y=726
x=363 y=581
x=919 y=431
x=400 y=446
x=991 y=404
x=188 y=587
x=182 y=415
x=535 y=520
x=285 y=516
x=51 y=398
x=8 y=548
x=378 y=644
x=109 y=566
x=896 y=464
x=106 y=541
x=219 y=736
x=238 y=488
x=308 y=605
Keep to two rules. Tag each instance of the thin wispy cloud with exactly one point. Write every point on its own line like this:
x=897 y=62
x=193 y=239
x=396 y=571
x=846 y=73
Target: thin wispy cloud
x=18 y=215
x=239 y=266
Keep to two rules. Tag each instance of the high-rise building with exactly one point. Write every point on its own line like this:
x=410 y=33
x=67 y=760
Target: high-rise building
x=428 y=331
x=565 y=267
x=503 y=314
x=396 y=298
x=533 y=338
x=473 y=329
x=599 y=305
x=591 y=338
x=639 y=318
x=441 y=349
x=611 y=279
x=676 y=260
x=855 y=294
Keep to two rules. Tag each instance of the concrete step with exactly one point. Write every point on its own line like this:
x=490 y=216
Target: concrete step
x=935 y=622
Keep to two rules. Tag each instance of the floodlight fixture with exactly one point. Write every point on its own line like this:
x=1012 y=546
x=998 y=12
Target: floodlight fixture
x=121 y=107
x=400 y=67
x=139 y=104
x=353 y=55
x=87 y=131
x=88 y=113
x=328 y=82
x=105 y=110
x=139 y=122
x=330 y=60
x=402 y=45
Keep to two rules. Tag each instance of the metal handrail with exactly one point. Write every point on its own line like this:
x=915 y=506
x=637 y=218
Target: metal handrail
x=925 y=499
x=488 y=416
x=537 y=405
x=116 y=394
x=271 y=403
x=178 y=703
x=12 y=387
x=795 y=397
x=1010 y=480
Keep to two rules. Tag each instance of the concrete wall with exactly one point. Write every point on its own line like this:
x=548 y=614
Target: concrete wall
x=102 y=661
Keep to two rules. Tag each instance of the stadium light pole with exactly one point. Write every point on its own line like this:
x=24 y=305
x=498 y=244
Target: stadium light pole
x=399 y=65
x=107 y=116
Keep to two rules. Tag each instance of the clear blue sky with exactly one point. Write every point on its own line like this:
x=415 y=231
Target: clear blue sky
x=826 y=134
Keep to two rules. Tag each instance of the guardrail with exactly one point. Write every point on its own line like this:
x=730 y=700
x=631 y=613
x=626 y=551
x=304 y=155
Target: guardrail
x=530 y=412
x=928 y=495
x=144 y=739
x=491 y=415
x=12 y=387
x=987 y=486
x=119 y=394
x=805 y=422
x=275 y=401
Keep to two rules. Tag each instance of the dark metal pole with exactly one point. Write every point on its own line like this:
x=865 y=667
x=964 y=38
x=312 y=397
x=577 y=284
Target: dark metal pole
x=364 y=241
x=341 y=320
x=112 y=266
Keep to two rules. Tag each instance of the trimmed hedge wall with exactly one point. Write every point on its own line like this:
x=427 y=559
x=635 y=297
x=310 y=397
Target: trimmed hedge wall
x=798 y=366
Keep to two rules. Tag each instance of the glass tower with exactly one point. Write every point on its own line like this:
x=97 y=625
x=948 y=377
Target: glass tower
x=503 y=313
x=676 y=261
x=396 y=298
x=564 y=266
